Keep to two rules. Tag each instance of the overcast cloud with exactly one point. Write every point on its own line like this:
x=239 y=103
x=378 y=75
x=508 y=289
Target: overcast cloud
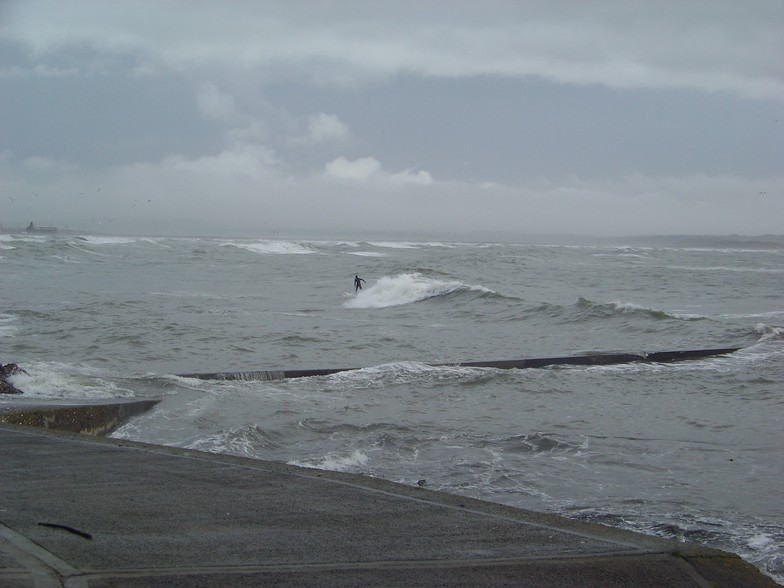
x=602 y=117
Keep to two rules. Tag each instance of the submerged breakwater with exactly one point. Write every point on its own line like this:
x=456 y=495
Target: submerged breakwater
x=504 y=364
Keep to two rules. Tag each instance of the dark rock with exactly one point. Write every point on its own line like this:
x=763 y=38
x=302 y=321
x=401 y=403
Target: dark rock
x=6 y=371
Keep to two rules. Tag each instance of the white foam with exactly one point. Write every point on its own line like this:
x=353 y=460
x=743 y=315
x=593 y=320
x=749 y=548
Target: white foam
x=406 y=372
x=769 y=333
x=629 y=306
x=335 y=243
x=24 y=238
x=271 y=247
x=759 y=542
x=395 y=245
x=93 y=240
x=335 y=462
x=244 y=440
x=44 y=380
x=403 y=289
x=367 y=253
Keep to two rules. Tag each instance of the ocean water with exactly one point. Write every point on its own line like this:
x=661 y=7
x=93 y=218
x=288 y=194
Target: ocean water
x=690 y=450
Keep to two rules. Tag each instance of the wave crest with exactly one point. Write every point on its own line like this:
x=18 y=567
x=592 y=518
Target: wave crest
x=272 y=247
x=769 y=333
x=355 y=461
x=603 y=310
x=246 y=441
x=406 y=289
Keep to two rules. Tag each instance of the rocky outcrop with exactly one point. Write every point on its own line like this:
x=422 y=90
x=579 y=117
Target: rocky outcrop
x=6 y=371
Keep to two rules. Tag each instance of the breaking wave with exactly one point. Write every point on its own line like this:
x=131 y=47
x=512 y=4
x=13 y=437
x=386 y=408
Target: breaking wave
x=245 y=441
x=585 y=309
x=336 y=462
x=95 y=240
x=600 y=309
x=769 y=333
x=406 y=289
x=271 y=247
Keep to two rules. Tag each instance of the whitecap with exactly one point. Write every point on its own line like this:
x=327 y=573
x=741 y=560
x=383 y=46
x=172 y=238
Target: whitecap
x=246 y=440
x=759 y=542
x=404 y=289
x=271 y=247
x=49 y=380
x=631 y=308
x=93 y=240
x=335 y=462
x=395 y=244
x=367 y=253
x=769 y=333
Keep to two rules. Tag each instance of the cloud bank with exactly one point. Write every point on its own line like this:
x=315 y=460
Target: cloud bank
x=532 y=117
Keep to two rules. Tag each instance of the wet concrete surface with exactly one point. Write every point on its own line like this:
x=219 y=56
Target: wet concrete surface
x=84 y=511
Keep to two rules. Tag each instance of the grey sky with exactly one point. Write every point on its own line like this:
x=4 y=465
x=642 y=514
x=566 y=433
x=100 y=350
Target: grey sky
x=605 y=117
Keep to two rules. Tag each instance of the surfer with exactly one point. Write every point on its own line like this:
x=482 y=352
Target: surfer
x=357 y=283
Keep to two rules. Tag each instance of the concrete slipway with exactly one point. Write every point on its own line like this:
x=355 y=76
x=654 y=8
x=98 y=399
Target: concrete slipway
x=83 y=511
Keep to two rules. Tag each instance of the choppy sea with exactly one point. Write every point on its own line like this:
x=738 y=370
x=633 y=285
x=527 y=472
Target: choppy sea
x=689 y=450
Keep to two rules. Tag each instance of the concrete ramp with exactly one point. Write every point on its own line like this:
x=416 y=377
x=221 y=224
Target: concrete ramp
x=93 y=512
x=93 y=417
